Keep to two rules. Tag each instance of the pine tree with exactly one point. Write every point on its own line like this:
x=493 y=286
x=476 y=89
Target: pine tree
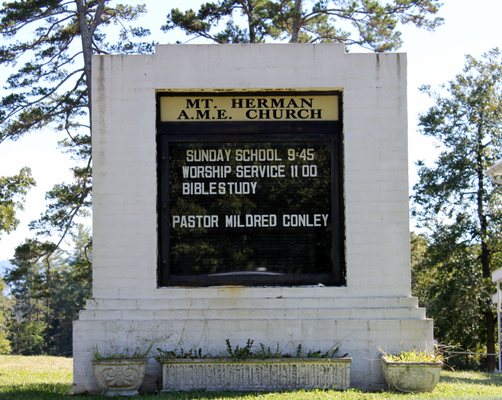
x=459 y=206
x=48 y=289
x=47 y=51
x=368 y=23
x=5 y=306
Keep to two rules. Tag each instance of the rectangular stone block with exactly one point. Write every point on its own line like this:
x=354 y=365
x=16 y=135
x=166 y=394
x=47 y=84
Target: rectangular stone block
x=255 y=374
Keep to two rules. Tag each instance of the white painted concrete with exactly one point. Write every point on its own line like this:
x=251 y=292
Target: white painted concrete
x=374 y=311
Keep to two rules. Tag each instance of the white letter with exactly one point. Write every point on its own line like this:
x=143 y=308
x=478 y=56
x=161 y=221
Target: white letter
x=325 y=218
x=189 y=155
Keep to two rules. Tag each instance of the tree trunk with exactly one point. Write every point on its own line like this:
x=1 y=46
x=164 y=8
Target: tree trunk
x=86 y=34
x=296 y=24
x=48 y=303
x=485 y=251
x=248 y=10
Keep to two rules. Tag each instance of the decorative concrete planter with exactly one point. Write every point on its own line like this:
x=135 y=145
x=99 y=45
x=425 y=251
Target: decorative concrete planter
x=271 y=374
x=120 y=376
x=411 y=376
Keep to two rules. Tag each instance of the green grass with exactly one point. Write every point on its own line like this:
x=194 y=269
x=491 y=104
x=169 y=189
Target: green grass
x=43 y=378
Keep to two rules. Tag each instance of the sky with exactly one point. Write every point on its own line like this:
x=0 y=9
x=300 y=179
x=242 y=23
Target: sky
x=434 y=58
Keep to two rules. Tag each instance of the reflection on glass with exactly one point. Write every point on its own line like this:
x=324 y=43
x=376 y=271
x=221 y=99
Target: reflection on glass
x=241 y=208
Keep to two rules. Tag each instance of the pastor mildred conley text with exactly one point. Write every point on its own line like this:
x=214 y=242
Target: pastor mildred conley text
x=250 y=221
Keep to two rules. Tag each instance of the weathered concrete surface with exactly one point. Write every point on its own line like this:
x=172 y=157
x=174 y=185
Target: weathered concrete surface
x=373 y=311
x=255 y=374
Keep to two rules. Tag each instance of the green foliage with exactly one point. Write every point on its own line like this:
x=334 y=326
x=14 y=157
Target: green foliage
x=48 y=288
x=245 y=352
x=414 y=356
x=142 y=348
x=331 y=353
x=5 y=306
x=66 y=201
x=181 y=353
x=267 y=352
x=12 y=191
x=125 y=353
x=421 y=278
x=46 y=42
x=240 y=352
x=367 y=23
x=28 y=337
x=71 y=288
x=459 y=208
x=46 y=53
x=28 y=281
x=5 y=346
x=451 y=286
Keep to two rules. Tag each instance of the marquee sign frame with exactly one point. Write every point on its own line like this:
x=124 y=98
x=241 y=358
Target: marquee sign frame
x=205 y=139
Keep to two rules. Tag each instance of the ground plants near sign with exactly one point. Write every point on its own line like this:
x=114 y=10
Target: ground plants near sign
x=181 y=353
x=238 y=352
x=412 y=371
x=264 y=351
x=141 y=350
x=50 y=378
x=249 y=350
x=125 y=353
x=414 y=356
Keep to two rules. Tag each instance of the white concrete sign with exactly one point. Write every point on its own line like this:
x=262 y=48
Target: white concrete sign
x=250 y=192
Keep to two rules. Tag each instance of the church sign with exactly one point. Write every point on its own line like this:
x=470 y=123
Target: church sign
x=248 y=108
x=250 y=188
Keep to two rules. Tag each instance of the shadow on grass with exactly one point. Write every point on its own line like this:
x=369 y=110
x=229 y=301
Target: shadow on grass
x=203 y=395
x=481 y=379
x=61 y=392
x=34 y=391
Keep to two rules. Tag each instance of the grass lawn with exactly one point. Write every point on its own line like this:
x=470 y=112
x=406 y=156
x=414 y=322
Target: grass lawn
x=41 y=378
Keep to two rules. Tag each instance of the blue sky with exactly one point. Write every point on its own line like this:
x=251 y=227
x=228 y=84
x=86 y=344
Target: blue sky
x=433 y=58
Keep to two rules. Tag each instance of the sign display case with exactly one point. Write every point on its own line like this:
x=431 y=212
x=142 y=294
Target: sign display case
x=250 y=189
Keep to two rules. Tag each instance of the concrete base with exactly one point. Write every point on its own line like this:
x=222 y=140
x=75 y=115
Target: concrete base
x=363 y=326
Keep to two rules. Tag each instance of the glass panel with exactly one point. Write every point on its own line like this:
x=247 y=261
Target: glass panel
x=250 y=208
